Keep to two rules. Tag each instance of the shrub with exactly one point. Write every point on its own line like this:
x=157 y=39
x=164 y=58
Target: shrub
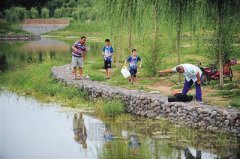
x=113 y=108
x=34 y=13
x=16 y=14
x=44 y=13
x=58 y=13
x=235 y=103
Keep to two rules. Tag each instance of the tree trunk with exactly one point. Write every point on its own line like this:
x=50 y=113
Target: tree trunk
x=156 y=38
x=179 y=27
x=117 y=49
x=130 y=37
x=220 y=40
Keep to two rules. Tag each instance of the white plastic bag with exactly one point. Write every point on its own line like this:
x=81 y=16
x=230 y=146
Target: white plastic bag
x=125 y=72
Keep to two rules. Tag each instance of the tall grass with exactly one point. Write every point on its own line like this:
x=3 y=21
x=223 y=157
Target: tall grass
x=113 y=108
x=35 y=80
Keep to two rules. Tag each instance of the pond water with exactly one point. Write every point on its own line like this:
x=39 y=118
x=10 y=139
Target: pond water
x=17 y=54
x=30 y=129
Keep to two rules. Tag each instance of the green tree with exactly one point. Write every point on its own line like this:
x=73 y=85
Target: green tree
x=224 y=14
x=58 y=13
x=44 y=13
x=16 y=14
x=34 y=13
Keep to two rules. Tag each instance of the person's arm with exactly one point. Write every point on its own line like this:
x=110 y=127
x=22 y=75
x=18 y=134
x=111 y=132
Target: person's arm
x=111 y=52
x=125 y=63
x=198 y=78
x=84 y=55
x=165 y=71
x=140 y=64
x=103 y=51
x=127 y=60
x=74 y=48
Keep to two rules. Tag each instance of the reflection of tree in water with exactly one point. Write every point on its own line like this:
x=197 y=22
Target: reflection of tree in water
x=52 y=55
x=3 y=63
x=30 y=59
x=40 y=56
x=235 y=152
x=22 y=57
x=79 y=129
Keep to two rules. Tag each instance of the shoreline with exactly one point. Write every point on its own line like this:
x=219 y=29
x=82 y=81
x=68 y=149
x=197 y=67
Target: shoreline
x=192 y=114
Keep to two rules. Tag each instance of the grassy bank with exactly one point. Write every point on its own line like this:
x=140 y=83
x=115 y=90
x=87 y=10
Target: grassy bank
x=35 y=80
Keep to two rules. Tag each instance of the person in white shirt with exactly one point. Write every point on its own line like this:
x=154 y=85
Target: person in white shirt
x=192 y=75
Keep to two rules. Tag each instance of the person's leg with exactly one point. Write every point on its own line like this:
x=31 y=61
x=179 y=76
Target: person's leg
x=198 y=92
x=109 y=73
x=135 y=76
x=75 y=72
x=80 y=72
x=74 y=65
x=186 y=87
x=80 y=65
x=106 y=69
x=132 y=74
x=109 y=69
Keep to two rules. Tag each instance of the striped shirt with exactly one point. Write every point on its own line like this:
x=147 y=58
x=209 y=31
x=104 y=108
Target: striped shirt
x=80 y=49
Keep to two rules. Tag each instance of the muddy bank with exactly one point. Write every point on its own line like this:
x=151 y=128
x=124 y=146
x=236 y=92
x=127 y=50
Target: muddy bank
x=211 y=118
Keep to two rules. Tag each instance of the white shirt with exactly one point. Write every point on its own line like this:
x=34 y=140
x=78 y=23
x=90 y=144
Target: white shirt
x=190 y=71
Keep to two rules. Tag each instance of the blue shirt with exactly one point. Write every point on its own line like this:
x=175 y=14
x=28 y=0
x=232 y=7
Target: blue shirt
x=133 y=61
x=108 y=50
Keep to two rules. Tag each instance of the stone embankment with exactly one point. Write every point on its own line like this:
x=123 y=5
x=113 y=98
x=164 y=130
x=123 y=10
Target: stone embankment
x=192 y=114
x=19 y=37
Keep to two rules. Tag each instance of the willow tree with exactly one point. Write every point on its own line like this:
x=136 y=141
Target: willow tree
x=225 y=15
x=122 y=16
x=176 y=10
x=156 y=9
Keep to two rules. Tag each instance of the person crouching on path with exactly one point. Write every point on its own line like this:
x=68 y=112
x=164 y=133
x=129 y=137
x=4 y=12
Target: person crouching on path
x=192 y=75
x=78 y=57
x=133 y=61
x=107 y=53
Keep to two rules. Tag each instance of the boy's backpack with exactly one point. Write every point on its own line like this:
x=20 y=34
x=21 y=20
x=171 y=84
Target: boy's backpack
x=179 y=97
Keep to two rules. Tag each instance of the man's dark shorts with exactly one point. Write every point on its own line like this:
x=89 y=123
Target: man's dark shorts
x=107 y=64
x=133 y=72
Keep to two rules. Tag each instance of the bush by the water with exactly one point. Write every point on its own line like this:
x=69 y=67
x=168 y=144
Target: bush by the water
x=235 y=103
x=113 y=108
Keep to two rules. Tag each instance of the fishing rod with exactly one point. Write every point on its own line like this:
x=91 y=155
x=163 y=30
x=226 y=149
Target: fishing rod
x=169 y=79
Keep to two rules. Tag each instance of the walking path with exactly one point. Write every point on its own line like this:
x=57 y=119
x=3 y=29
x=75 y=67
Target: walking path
x=193 y=114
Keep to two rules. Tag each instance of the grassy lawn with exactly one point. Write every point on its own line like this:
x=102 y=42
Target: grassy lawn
x=36 y=81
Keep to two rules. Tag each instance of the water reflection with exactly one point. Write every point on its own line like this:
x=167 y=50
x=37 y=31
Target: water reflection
x=17 y=54
x=188 y=154
x=79 y=129
x=3 y=63
x=42 y=131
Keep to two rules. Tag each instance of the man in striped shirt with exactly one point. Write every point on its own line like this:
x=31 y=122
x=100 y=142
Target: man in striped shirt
x=78 y=56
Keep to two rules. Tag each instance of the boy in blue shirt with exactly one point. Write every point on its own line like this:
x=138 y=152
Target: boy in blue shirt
x=133 y=61
x=107 y=53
